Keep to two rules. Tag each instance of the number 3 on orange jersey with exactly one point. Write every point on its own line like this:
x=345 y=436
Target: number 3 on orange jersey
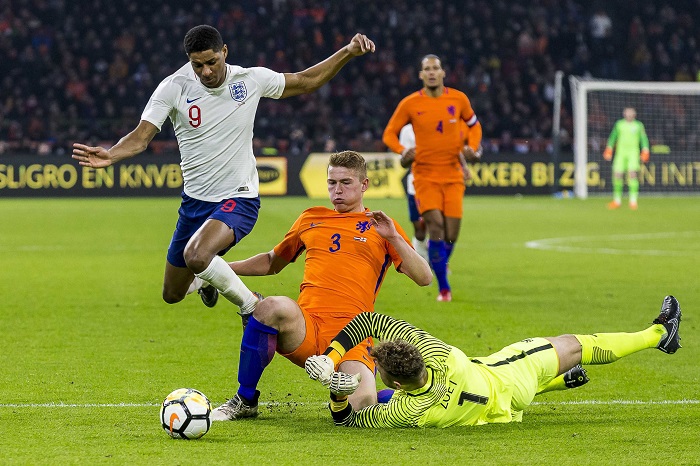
x=335 y=239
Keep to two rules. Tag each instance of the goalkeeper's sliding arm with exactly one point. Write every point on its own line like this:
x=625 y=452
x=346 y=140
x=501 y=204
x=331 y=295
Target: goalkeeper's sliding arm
x=383 y=327
x=358 y=329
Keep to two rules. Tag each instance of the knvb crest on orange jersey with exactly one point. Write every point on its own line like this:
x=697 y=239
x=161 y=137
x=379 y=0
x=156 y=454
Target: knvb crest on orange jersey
x=363 y=226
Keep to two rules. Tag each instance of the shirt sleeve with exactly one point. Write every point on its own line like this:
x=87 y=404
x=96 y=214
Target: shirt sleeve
x=644 y=139
x=384 y=327
x=291 y=246
x=395 y=256
x=395 y=414
x=613 y=135
x=397 y=121
x=475 y=130
x=161 y=103
x=271 y=82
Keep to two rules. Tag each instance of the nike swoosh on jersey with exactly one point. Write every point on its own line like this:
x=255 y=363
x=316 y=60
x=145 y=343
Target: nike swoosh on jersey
x=190 y=101
x=315 y=224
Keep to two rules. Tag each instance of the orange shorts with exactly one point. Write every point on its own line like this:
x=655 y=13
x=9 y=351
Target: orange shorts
x=445 y=197
x=320 y=331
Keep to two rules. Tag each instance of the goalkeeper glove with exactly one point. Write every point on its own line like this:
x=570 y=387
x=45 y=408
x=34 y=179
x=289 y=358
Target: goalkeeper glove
x=320 y=368
x=607 y=154
x=645 y=155
x=344 y=384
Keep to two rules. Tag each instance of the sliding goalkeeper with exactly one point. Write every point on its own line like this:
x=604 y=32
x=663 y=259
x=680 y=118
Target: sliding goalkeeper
x=437 y=385
x=631 y=144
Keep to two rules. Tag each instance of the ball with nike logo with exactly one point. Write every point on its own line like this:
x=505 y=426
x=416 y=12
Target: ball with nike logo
x=185 y=414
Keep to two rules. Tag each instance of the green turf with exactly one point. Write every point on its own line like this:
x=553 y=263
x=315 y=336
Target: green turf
x=82 y=323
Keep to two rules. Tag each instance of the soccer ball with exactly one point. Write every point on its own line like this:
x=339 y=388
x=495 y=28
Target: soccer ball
x=185 y=414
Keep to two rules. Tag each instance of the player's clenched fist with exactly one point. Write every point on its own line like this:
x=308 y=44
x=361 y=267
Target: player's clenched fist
x=360 y=44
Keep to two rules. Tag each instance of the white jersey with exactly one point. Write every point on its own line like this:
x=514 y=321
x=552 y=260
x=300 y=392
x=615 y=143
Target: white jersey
x=407 y=138
x=214 y=128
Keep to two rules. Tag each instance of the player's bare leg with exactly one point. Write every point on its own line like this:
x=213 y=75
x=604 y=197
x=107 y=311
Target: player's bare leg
x=434 y=224
x=176 y=283
x=568 y=349
x=284 y=315
x=452 y=227
x=213 y=236
x=202 y=259
x=366 y=393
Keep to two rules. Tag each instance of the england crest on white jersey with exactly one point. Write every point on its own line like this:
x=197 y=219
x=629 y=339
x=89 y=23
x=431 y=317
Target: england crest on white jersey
x=238 y=91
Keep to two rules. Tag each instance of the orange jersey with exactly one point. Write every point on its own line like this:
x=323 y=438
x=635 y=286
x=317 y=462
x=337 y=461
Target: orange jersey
x=464 y=131
x=346 y=260
x=439 y=136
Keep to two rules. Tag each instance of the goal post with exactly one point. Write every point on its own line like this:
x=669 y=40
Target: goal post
x=670 y=112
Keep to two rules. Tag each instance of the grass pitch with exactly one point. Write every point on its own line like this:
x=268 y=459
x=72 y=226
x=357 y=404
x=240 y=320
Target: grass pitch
x=89 y=349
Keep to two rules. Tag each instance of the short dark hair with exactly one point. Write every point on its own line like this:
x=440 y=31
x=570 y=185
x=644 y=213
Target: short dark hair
x=351 y=160
x=201 y=38
x=400 y=359
x=425 y=57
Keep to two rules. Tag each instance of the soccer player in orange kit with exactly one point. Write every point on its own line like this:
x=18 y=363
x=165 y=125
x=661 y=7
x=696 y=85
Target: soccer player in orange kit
x=438 y=161
x=348 y=251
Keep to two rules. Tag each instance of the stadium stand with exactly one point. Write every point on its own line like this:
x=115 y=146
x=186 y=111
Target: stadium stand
x=83 y=70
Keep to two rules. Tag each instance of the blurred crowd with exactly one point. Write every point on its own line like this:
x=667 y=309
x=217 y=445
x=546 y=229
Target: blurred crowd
x=82 y=70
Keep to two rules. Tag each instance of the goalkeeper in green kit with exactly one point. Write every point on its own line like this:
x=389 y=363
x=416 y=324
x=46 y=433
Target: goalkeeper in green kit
x=631 y=144
x=437 y=385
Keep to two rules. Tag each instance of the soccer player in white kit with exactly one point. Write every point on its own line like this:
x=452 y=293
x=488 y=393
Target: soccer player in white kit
x=212 y=107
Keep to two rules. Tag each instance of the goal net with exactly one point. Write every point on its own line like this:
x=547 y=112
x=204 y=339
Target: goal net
x=670 y=112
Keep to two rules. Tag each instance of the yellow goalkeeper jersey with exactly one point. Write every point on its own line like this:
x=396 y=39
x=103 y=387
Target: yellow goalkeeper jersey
x=458 y=392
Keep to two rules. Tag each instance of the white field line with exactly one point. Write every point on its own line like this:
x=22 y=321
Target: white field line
x=569 y=244
x=273 y=403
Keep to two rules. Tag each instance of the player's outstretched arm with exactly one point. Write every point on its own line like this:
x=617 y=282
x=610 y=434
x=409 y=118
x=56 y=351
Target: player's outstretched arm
x=265 y=263
x=412 y=264
x=133 y=143
x=313 y=78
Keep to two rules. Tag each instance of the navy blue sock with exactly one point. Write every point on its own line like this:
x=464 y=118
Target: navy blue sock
x=438 y=260
x=257 y=349
x=383 y=396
